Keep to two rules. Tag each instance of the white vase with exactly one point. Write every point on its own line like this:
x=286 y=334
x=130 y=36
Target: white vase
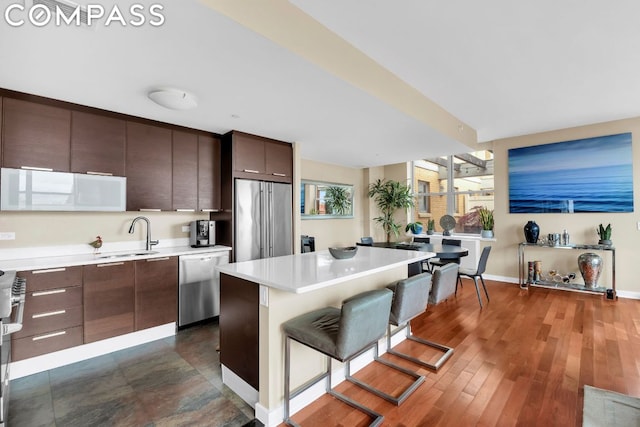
x=487 y=234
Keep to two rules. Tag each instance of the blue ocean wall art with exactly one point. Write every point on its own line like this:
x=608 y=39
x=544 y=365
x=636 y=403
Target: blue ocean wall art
x=584 y=175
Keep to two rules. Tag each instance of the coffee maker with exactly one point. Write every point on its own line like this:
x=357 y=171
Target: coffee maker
x=202 y=233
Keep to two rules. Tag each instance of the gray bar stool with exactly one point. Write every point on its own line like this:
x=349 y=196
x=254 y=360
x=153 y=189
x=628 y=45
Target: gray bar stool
x=410 y=298
x=341 y=334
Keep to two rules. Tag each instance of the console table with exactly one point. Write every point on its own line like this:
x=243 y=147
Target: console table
x=578 y=287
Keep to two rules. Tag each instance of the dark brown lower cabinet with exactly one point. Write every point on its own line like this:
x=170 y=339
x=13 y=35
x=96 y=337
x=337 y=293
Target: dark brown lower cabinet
x=240 y=327
x=156 y=292
x=108 y=300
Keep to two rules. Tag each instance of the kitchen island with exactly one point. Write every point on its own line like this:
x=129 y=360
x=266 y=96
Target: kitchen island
x=256 y=297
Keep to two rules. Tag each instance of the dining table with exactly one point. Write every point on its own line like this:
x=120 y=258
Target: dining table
x=444 y=252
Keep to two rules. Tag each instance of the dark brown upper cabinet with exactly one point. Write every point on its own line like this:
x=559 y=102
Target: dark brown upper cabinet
x=97 y=144
x=185 y=171
x=148 y=167
x=279 y=160
x=208 y=173
x=35 y=136
x=256 y=157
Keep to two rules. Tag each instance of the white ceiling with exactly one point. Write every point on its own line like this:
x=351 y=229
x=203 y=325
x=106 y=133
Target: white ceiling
x=501 y=67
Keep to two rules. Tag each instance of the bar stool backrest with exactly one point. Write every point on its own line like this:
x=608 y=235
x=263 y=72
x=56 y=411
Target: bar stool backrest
x=410 y=298
x=363 y=320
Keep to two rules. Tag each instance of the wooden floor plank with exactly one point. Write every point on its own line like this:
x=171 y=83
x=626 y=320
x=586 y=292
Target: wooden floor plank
x=523 y=359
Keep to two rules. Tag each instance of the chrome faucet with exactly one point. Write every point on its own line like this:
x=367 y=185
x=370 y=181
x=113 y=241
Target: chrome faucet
x=149 y=241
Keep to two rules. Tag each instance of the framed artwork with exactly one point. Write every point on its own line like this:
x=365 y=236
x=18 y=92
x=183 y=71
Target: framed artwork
x=584 y=175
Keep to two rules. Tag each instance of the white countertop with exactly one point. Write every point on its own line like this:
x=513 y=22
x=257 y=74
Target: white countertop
x=70 y=260
x=316 y=270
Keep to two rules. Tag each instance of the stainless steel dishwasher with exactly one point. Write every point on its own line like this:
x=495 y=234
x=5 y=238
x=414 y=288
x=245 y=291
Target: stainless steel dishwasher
x=199 y=286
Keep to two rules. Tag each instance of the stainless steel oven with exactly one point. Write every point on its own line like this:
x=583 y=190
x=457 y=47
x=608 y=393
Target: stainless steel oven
x=12 y=297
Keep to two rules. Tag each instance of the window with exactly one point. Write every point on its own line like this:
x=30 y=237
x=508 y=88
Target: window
x=471 y=176
x=423 y=197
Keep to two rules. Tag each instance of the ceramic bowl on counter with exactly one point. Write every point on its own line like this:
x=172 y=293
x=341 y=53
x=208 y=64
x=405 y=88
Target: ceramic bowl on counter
x=344 y=252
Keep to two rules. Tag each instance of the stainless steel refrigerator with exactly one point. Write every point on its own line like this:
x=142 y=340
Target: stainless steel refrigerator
x=263 y=220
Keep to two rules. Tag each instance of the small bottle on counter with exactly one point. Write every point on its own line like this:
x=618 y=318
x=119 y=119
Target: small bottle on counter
x=565 y=237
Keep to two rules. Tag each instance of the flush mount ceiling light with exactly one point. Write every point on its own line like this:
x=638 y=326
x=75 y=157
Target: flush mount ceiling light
x=174 y=99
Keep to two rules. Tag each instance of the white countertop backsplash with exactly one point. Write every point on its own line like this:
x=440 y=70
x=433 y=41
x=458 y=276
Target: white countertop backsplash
x=36 y=258
x=315 y=270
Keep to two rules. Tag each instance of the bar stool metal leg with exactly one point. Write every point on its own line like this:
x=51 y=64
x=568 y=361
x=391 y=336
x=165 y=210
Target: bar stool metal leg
x=448 y=351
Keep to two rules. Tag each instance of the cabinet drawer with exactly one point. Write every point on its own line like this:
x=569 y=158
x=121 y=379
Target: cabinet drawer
x=52 y=278
x=52 y=299
x=25 y=348
x=50 y=320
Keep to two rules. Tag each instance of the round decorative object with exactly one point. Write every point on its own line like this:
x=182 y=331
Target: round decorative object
x=448 y=223
x=590 y=266
x=343 y=253
x=531 y=232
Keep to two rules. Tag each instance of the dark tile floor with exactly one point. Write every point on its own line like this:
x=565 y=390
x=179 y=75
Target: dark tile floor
x=175 y=381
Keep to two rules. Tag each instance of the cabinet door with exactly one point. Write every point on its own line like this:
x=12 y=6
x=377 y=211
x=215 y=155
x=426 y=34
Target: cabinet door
x=108 y=300
x=35 y=135
x=248 y=154
x=97 y=144
x=156 y=292
x=52 y=278
x=279 y=161
x=148 y=167
x=185 y=171
x=208 y=173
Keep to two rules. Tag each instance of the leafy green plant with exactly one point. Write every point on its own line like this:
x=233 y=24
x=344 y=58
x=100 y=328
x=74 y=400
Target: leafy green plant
x=338 y=200
x=486 y=218
x=431 y=224
x=389 y=196
x=604 y=232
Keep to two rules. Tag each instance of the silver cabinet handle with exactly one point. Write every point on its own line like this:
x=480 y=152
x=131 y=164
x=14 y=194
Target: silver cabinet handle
x=51 y=270
x=251 y=171
x=44 y=337
x=51 y=313
x=150 y=210
x=35 y=168
x=185 y=210
x=111 y=264
x=41 y=294
x=99 y=173
x=279 y=174
x=157 y=259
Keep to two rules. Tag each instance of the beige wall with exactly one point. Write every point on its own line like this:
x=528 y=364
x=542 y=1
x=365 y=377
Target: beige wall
x=581 y=226
x=72 y=228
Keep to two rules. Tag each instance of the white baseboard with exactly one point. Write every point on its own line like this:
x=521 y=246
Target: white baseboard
x=34 y=365
x=239 y=386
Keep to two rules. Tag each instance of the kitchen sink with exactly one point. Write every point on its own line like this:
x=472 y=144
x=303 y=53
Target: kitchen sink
x=127 y=254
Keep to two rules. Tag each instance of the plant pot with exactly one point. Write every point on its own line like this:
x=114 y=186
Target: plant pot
x=429 y=232
x=487 y=234
x=605 y=242
x=416 y=229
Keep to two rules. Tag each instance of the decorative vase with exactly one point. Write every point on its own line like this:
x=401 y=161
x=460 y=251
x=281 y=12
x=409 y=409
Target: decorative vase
x=430 y=232
x=605 y=242
x=531 y=232
x=486 y=234
x=417 y=229
x=590 y=266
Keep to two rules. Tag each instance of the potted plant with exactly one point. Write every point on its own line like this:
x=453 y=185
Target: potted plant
x=605 y=234
x=414 y=227
x=389 y=196
x=431 y=226
x=338 y=200
x=486 y=222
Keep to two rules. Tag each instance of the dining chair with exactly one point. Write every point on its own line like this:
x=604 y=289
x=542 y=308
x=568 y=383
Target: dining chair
x=424 y=265
x=437 y=262
x=366 y=241
x=476 y=274
x=308 y=244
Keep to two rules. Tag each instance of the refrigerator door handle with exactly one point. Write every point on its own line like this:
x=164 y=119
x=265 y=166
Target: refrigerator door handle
x=265 y=241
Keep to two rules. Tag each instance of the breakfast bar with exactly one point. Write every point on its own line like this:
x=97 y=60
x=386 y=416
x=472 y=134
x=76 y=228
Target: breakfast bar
x=258 y=296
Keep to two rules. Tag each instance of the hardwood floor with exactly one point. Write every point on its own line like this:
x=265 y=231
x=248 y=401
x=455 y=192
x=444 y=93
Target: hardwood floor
x=522 y=360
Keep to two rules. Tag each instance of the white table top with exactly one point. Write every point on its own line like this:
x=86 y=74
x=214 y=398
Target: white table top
x=316 y=270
